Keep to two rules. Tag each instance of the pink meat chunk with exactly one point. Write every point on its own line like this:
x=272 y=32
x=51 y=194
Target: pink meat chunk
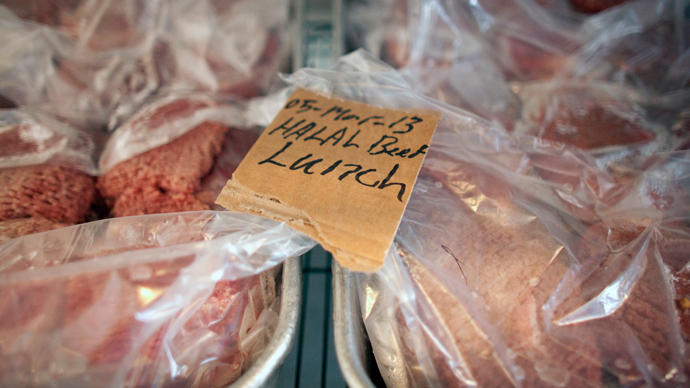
x=57 y=193
x=177 y=166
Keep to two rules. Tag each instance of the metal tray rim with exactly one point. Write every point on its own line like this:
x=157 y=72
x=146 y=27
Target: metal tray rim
x=268 y=364
x=346 y=321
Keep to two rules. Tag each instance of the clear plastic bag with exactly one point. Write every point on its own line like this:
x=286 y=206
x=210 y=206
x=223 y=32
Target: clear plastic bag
x=177 y=299
x=32 y=138
x=46 y=174
x=164 y=118
x=644 y=45
x=495 y=280
x=175 y=154
x=381 y=27
x=230 y=47
x=92 y=58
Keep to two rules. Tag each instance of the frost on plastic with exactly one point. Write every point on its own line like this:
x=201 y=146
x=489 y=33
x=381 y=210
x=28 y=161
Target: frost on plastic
x=185 y=299
x=511 y=270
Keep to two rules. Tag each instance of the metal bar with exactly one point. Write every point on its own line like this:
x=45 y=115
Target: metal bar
x=266 y=369
x=350 y=338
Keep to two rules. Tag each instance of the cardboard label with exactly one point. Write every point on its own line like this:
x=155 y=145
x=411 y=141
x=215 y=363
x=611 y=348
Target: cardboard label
x=339 y=171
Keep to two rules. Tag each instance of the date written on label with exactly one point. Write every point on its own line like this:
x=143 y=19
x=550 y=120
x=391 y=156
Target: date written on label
x=349 y=141
x=339 y=171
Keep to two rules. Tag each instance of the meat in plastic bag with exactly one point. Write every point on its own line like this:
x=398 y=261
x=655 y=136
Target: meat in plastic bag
x=640 y=44
x=46 y=170
x=159 y=160
x=180 y=299
x=224 y=46
x=494 y=281
x=95 y=59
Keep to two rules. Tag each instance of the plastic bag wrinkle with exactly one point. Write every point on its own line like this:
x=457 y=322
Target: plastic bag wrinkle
x=167 y=291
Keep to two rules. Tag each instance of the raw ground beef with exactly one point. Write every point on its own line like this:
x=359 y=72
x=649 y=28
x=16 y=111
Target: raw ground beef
x=10 y=229
x=56 y=193
x=152 y=200
x=237 y=144
x=174 y=167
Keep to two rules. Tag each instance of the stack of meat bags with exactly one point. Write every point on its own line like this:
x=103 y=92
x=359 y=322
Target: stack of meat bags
x=46 y=170
x=94 y=62
x=188 y=299
x=82 y=60
x=543 y=248
x=541 y=256
x=175 y=154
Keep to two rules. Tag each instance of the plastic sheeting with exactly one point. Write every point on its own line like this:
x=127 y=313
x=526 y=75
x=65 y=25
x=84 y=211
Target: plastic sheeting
x=187 y=299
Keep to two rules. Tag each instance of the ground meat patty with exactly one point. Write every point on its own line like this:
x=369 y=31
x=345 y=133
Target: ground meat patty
x=174 y=167
x=152 y=200
x=57 y=193
x=10 y=229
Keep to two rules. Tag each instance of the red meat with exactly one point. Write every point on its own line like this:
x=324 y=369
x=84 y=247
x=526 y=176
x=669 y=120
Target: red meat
x=237 y=144
x=152 y=200
x=594 y=6
x=584 y=117
x=57 y=193
x=10 y=229
x=522 y=289
x=175 y=167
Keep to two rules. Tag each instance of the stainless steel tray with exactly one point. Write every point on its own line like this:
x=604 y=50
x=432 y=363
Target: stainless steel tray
x=351 y=343
x=265 y=372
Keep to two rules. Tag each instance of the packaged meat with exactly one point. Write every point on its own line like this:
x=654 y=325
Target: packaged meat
x=184 y=299
x=46 y=173
x=92 y=58
x=54 y=192
x=223 y=46
x=494 y=281
x=164 y=156
x=93 y=25
x=641 y=44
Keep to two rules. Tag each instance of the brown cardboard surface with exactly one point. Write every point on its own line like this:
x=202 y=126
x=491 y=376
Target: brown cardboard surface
x=339 y=171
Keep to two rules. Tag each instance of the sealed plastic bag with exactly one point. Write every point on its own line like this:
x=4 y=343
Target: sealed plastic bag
x=225 y=46
x=642 y=44
x=494 y=280
x=92 y=59
x=92 y=24
x=181 y=299
x=46 y=170
x=174 y=154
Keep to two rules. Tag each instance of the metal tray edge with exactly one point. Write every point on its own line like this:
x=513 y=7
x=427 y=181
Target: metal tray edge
x=268 y=365
x=348 y=329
